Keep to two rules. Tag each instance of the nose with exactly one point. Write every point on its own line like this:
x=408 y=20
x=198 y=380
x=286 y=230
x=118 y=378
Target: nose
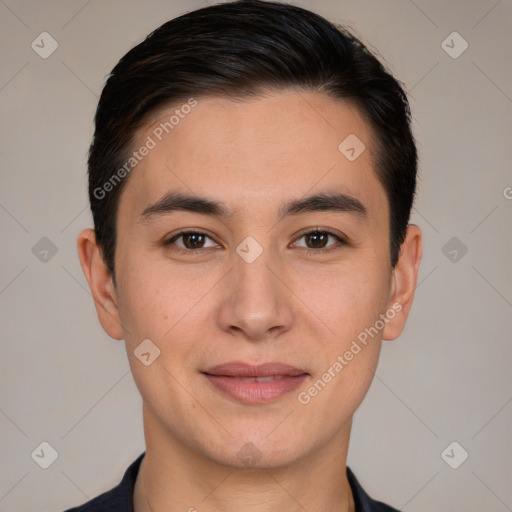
x=256 y=303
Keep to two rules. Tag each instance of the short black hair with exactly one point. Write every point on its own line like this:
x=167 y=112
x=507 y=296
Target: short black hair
x=239 y=50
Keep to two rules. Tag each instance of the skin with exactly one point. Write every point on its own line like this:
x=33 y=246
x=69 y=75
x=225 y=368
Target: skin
x=208 y=306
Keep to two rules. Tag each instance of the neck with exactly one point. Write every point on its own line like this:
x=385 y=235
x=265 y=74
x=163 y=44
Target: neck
x=174 y=478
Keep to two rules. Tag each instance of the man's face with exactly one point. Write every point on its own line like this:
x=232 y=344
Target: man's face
x=210 y=297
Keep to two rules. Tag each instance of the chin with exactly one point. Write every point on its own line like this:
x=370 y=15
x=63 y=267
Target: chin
x=261 y=453
x=250 y=457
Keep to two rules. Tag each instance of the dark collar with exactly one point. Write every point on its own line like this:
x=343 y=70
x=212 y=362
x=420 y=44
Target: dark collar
x=120 y=498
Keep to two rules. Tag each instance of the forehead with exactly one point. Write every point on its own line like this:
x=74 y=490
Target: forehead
x=276 y=145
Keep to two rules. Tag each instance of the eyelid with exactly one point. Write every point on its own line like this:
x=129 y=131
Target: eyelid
x=327 y=231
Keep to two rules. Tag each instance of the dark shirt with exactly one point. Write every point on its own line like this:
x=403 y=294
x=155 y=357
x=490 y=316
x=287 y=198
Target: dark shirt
x=120 y=499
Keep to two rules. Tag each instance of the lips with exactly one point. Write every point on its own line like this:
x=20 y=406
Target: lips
x=253 y=384
x=242 y=370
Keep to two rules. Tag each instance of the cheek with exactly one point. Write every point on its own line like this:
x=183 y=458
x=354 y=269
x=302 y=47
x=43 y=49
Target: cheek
x=163 y=311
x=170 y=308
x=346 y=299
x=348 y=357
x=349 y=303
x=141 y=307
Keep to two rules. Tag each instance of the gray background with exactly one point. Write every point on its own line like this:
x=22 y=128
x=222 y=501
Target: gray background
x=446 y=379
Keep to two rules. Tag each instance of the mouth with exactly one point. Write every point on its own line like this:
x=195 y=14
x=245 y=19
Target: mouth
x=253 y=384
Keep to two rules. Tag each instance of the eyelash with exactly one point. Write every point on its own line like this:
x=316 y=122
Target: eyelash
x=341 y=242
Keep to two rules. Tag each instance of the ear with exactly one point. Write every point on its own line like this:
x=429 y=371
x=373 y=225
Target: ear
x=100 y=282
x=405 y=277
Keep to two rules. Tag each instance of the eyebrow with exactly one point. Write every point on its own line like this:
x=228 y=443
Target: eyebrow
x=327 y=201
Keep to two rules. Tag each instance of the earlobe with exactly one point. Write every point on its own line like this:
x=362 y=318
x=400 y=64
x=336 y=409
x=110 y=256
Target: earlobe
x=100 y=283
x=405 y=277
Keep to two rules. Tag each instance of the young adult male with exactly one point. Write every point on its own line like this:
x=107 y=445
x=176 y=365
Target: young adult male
x=251 y=179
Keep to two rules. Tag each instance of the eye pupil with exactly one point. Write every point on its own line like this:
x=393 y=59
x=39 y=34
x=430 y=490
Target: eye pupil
x=317 y=238
x=193 y=240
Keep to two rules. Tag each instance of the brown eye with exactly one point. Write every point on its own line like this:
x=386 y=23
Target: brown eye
x=316 y=239
x=320 y=241
x=191 y=240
